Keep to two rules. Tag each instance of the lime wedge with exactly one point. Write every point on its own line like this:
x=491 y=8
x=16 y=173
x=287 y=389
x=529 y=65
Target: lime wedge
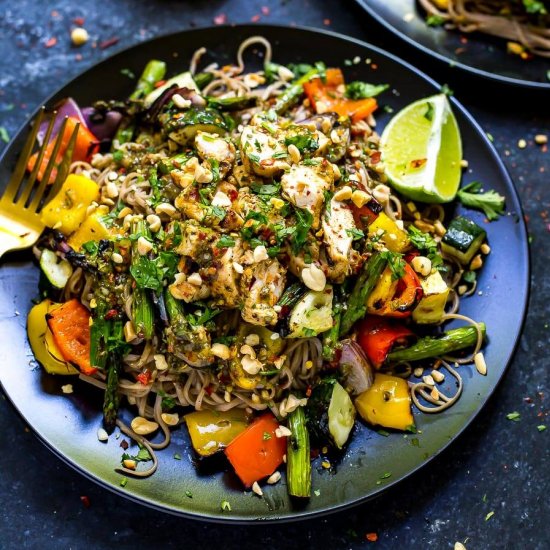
x=422 y=150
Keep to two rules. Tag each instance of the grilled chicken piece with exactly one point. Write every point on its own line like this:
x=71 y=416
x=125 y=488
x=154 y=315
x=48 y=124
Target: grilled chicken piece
x=263 y=152
x=337 y=225
x=268 y=283
x=196 y=242
x=213 y=147
x=225 y=283
x=305 y=185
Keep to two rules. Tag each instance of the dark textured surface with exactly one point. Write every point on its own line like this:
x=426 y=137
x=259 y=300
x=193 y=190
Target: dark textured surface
x=497 y=465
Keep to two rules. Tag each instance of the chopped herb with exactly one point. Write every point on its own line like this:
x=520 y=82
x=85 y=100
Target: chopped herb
x=317 y=493
x=4 y=136
x=177 y=456
x=305 y=143
x=514 y=416
x=415 y=442
x=484 y=498
x=269 y=127
x=124 y=482
x=188 y=494
x=491 y=202
x=304 y=220
x=446 y=90
x=384 y=433
x=266 y=436
x=363 y=90
x=395 y=263
x=534 y=7
x=489 y=516
x=225 y=242
x=469 y=277
x=118 y=155
x=215 y=212
x=91 y=247
x=426 y=245
x=541 y=427
x=385 y=475
x=143 y=455
x=215 y=169
x=435 y=20
x=490 y=137
x=200 y=319
x=167 y=402
x=429 y=114
x=128 y=73
x=265 y=189
x=254 y=158
x=225 y=506
x=150 y=273
x=355 y=234
x=311 y=162
x=280 y=155
x=309 y=332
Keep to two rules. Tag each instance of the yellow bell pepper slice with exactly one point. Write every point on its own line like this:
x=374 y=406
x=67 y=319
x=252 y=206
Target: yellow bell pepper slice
x=395 y=239
x=67 y=210
x=386 y=403
x=92 y=229
x=42 y=343
x=211 y=431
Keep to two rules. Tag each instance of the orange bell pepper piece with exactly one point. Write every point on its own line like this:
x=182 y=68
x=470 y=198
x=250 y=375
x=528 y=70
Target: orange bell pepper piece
x=85 y=146
x=333 y=99
x=257 y=452
x=70 y=328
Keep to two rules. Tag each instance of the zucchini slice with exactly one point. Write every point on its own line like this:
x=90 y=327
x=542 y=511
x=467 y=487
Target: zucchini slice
x=184 y=127
x=183 y=80
x=312 y=314
x=56 y=270
x=341 y=415
x=463 y=239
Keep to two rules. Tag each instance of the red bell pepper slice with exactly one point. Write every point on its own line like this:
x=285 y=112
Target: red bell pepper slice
x=330 y=94
x=85 y=146
x=377 y=336
x=257 y=452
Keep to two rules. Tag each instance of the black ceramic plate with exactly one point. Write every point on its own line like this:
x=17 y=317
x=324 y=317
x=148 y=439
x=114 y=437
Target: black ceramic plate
x=480 y=54
x=67 y=423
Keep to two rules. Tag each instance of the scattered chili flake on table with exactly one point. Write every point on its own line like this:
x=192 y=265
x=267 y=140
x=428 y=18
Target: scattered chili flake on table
x=372 y=537
x=50 y=42
x=265 y=10
x=85 y=500
x=255 y=18
x=108 y=43
x=78 y=21
x=326 y=22
x=220 y=19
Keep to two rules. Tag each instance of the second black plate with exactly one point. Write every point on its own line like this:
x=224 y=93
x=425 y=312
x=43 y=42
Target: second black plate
x=476 y=53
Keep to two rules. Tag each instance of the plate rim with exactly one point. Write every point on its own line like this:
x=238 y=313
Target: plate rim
x=496 y=78
x=300 y=515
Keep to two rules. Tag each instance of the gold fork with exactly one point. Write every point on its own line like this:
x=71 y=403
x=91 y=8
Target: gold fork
x=23 y=198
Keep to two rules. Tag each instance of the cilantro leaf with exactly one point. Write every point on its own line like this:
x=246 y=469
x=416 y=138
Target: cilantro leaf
x=395 y=262
x=362 y=90
x=225 y=242
x=435 y=20
x=355 y=234
x=426 y=245
x=491 y=202
x=534 y=7
x=304 y=221
x=305 y=143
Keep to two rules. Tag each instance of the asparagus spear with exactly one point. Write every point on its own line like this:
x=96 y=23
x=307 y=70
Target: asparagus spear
x=125 y=132
x=364 y=285
x=111 y=399
x=330 y=338
x=232 y=103
x=153 y=72
x=203 y=79
x=298 y=463
x=143 y=312
x=291 y=295
x=176 y=315
x=452 y=340
x=292 y=94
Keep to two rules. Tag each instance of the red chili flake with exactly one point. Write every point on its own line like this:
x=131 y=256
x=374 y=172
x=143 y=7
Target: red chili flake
x=527 y=399
x=232 y=194
x=110 y=314
x=50 y=42
x=308 y=391
x=458 y=51
x=79 y=21
x=108 y=43
x=160 y=83
x=326 y=22
x=78 y=57
x=255 y=18
x=463 y=40
x=124 y=444
x=220 y=19
x=265 y=10
x=374 y=66
x=372 y=537
x=144 y=377
x=417 y=163
x=54 y=13
x=85 y=500
x=209 y=389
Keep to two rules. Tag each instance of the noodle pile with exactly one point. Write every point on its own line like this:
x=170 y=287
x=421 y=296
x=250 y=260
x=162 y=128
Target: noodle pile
x=509 y=20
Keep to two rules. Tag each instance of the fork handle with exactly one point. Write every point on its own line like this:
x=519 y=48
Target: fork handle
x=10 y=240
